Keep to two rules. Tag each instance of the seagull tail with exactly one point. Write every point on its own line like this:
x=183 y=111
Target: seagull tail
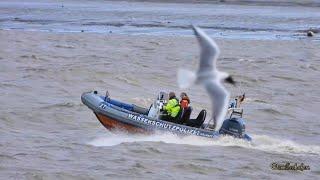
x=186 y=78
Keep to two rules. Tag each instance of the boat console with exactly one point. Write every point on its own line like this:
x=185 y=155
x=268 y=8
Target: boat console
x=156 y=106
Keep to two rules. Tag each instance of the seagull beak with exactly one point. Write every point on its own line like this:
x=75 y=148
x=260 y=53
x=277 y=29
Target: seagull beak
x=243 y=97
x=230 y=80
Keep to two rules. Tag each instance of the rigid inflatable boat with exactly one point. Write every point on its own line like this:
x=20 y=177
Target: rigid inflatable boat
x=114 y=114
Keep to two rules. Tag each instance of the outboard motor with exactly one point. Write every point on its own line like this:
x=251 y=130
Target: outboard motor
x=233 y=126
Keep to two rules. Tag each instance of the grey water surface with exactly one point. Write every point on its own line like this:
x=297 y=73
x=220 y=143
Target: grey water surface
x=133 y=49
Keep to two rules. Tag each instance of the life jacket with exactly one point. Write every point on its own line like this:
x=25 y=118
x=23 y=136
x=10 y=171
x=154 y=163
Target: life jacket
x=172 y=107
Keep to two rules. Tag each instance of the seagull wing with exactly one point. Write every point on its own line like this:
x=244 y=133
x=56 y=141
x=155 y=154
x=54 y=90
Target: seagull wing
x=219 y=97
x=209 y=50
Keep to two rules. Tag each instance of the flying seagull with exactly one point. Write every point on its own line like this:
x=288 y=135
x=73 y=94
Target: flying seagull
x=209 y=76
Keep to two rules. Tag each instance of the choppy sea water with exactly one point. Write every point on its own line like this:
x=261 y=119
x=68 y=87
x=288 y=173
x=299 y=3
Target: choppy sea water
x=47 y=133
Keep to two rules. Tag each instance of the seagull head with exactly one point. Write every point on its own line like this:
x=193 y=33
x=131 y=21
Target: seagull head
x=223 y=76
x=230 y=80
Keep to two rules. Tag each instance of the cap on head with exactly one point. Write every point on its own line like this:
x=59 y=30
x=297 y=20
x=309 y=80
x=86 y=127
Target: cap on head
x=172 y=95
x=183 y=94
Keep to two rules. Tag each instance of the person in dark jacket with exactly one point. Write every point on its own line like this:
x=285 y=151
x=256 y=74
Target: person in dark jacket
x=186 y=109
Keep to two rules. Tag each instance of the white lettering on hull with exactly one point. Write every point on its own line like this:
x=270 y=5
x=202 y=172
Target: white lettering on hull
x=164 y=125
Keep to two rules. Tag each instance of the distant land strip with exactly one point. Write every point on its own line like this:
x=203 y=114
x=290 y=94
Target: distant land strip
x=305 y=3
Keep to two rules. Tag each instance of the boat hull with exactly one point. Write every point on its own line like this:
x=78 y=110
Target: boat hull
x=114 y=114
x=114 y=124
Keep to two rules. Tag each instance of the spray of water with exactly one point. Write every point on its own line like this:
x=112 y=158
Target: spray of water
x=261 y=142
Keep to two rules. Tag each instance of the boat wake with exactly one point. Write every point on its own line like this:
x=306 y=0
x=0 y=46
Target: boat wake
x=260 y=142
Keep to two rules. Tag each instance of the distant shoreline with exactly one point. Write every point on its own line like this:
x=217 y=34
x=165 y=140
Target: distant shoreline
x=153 y=17
x=303 y=3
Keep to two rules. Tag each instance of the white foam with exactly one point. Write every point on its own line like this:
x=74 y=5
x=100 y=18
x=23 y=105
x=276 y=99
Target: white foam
x=260 y=142
x=270 y=144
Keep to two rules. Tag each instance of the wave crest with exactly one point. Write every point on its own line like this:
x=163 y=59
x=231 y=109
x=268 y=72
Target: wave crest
x=260 y=142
